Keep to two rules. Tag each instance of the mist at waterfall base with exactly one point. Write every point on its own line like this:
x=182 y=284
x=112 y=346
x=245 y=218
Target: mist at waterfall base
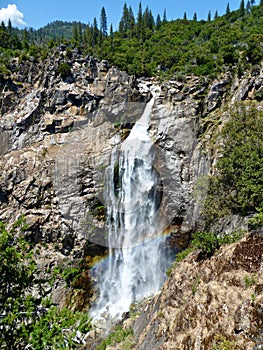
x=138 y=253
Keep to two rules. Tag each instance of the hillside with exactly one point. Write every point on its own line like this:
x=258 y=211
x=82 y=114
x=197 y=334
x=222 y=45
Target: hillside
x=148 y=47
x=64 y=119
x=58 y=30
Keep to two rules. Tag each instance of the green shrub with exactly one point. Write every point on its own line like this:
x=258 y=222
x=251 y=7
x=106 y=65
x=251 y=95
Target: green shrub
x=17 y=274
x=22 y=322
x=249 y=281
x=183 y=254
x=207 y=242
x=238 y=187
x=64 y=70
x=118 y=336
x=70 y=274
x=56 y=329
x=221 y=343
x=257 y=220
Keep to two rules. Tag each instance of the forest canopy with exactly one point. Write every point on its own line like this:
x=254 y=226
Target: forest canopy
x=148 y=46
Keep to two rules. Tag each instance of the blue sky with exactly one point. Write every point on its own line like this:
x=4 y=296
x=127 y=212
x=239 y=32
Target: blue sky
x=37 y=13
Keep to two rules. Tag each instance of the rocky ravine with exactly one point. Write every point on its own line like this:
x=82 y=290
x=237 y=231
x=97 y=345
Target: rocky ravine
x=57 y=136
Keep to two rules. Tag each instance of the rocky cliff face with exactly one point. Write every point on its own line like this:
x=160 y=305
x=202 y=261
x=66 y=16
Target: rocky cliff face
x=208 y=304
x=57 y=136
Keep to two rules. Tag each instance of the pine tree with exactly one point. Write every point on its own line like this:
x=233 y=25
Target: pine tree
x=88 y=35
x=125 y=20
x=195 y=17
x=3 y=27
x=158 y=21
x=164 y=16
x=121 y=28
x=25 y=40
x=95 y=32
x=79 y=29
x=216 y=15
x=9 y=27
x=131 y=22
x=252 y=2
x=103 y=22
x=248 y=7
x=111 y=34
x=227 y=9
x=209 y=16
x=148 y=19
x=242 y=8
x=185 y=16
x=140 y=28
x=75 y=33
x=261 y=3
x=10 y=32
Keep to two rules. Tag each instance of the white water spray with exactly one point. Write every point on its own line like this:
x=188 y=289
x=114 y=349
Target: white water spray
x=135 y=267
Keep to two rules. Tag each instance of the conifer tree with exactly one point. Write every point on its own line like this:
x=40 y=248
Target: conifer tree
x=227 y=9
x=158 y=21
x=75 y=32
x=88 y=35
x=25 y=39
x=216 y=15
x=111 y=34
x=185 y=16
x=131 y=22
x=148 y=19
x=252 y=2
x=9 y=27
x=103 y=22
x=95 y=32
x=125 y=20
x=242 y=8
x=3 y=27
x=79 y=29
x=4 y=38
x=121 y=28
x=209 y=16
x=195 y=17
x=248 y=7
x=10 y=32
x=164 y=16
x=140 y=29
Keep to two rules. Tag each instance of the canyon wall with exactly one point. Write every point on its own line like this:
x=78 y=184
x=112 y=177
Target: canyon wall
x=57 y=134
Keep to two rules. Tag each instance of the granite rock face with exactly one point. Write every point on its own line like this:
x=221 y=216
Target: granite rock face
x=208 y=303
x=57 y=135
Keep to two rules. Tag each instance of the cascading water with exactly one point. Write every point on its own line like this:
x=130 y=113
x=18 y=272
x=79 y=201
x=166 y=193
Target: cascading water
x=136 y=265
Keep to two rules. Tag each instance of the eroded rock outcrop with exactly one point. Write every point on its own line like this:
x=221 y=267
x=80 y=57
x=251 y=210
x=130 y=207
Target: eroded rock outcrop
x=205 y=303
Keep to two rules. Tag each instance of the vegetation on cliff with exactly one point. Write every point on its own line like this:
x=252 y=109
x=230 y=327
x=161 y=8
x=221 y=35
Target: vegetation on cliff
x=146 y=46
x=237 y=188
x=26 y=317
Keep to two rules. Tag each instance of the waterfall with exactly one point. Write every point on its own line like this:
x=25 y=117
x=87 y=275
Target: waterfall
x=135 y=267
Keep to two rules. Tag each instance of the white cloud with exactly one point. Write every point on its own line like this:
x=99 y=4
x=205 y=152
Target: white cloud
x=11 y=12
